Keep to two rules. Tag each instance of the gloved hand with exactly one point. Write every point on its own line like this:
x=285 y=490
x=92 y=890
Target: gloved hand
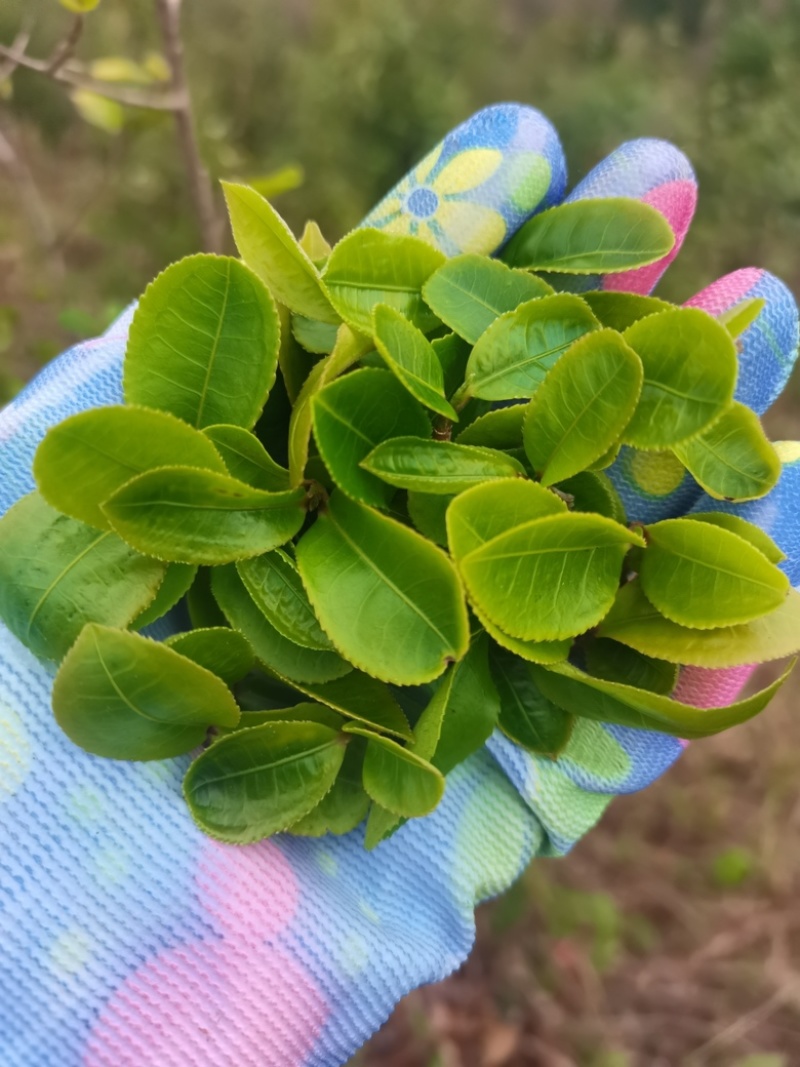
x=131 y=940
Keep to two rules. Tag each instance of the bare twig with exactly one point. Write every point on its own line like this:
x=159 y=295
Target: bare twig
x=169 y=14
x=65 y=48
x=152 y=101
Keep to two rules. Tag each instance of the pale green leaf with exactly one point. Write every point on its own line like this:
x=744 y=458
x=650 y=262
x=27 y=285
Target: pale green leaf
x=469 y=292
x=492 y=508
x=732 y=459
x=602 y=236
x=398 y=779
x=57 y=574
x=219 y=649
x=551 y=578
x=690 y=368
x=512 y=357
x=410 y=356
x=438 y=466
x=581 y=408
x=370 y=578
x=621 y=310
x=269 y=248
x=369 y=267
x=247 y=459
x=190 y=516
x=126 y=697
x=635 y=622
x=750 y=532
x=87 y=457
x=501 y=428
x=742 y=315
x=255 y=783
x=203 y=343
x=534 y=651
x=704 y=576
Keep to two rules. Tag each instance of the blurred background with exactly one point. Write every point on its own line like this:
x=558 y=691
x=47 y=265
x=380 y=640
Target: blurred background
x=671 y=936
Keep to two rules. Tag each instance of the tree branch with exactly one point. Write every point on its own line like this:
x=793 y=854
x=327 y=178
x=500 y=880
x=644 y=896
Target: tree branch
x=65 y=49
x=169 y=14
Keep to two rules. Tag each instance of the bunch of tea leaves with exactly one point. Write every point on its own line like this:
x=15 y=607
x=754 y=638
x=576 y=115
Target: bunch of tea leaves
x=366 y=486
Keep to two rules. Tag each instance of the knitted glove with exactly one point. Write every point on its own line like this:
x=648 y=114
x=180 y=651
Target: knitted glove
x=128 y=938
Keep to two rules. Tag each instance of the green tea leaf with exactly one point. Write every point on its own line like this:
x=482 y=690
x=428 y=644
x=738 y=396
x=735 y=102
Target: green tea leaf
x=313 y=335
x=192 y=516
x=511 y=358
x=203 y=609
x=306 y=711
x=594 y=698
x=57 y=574
x=690 y=367
x=469 y=292
x=219 y=649
x=501 y=428
x=87 y=457
x=606 y=459
x=703 y=576
x=177 y=581
x=354 y=414
x=635 y=622
x=294 y=361
x=274 y=584
x=124 y=696
x=247 y=459
x=397 y=779
x=742 y=315
x=621 y=310
x=427 y=511
x=581 y=408
x=296 y=662
x=471 y=706
x=369 y=267
x=526 y=716
x=390 y=600
x=593 y=491
x=360 y=697
x=753 y=534
x=614 y=662
x=602 y=236
x=269 y=248
x=203 y=343
x=492 y=508
x=438 y=466
x=255 y=783
x=410 y=356
x=314 y=243
x=543 y=652
x=550 y=578
x=732 y=459
x=452 y=352
x=346 y=805
x=349 y=348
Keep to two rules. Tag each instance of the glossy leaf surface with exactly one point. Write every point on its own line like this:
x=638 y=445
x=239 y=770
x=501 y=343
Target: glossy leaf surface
x=57 y=574
x=534 y=651
x=732 y=459
x=87 y=457
x=469 y=292
x=748 y=530
x=274 y=584
x=368 y=578
x=582 y=406
x=501 y=428
x=398 y=779
x=369 y=267
x=269 y=248
x=255 y=783
x=703 y=576
x=551 y=578
x=296 y=662
x=591 y=237
x=621 y=310
x=123 y=696
x=742 y=315
x=438 y=466
x=204 y=343
x=353 y=415
x=690 y=368
x=635 y=622
x=411 y=357
x=219 y=649
x=246 y=458
x=482 y=513
x=191 y=516
x=614 y=662
x=511 y=358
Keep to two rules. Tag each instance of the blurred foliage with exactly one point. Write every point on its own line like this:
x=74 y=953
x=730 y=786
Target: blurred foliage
x=351 y=94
